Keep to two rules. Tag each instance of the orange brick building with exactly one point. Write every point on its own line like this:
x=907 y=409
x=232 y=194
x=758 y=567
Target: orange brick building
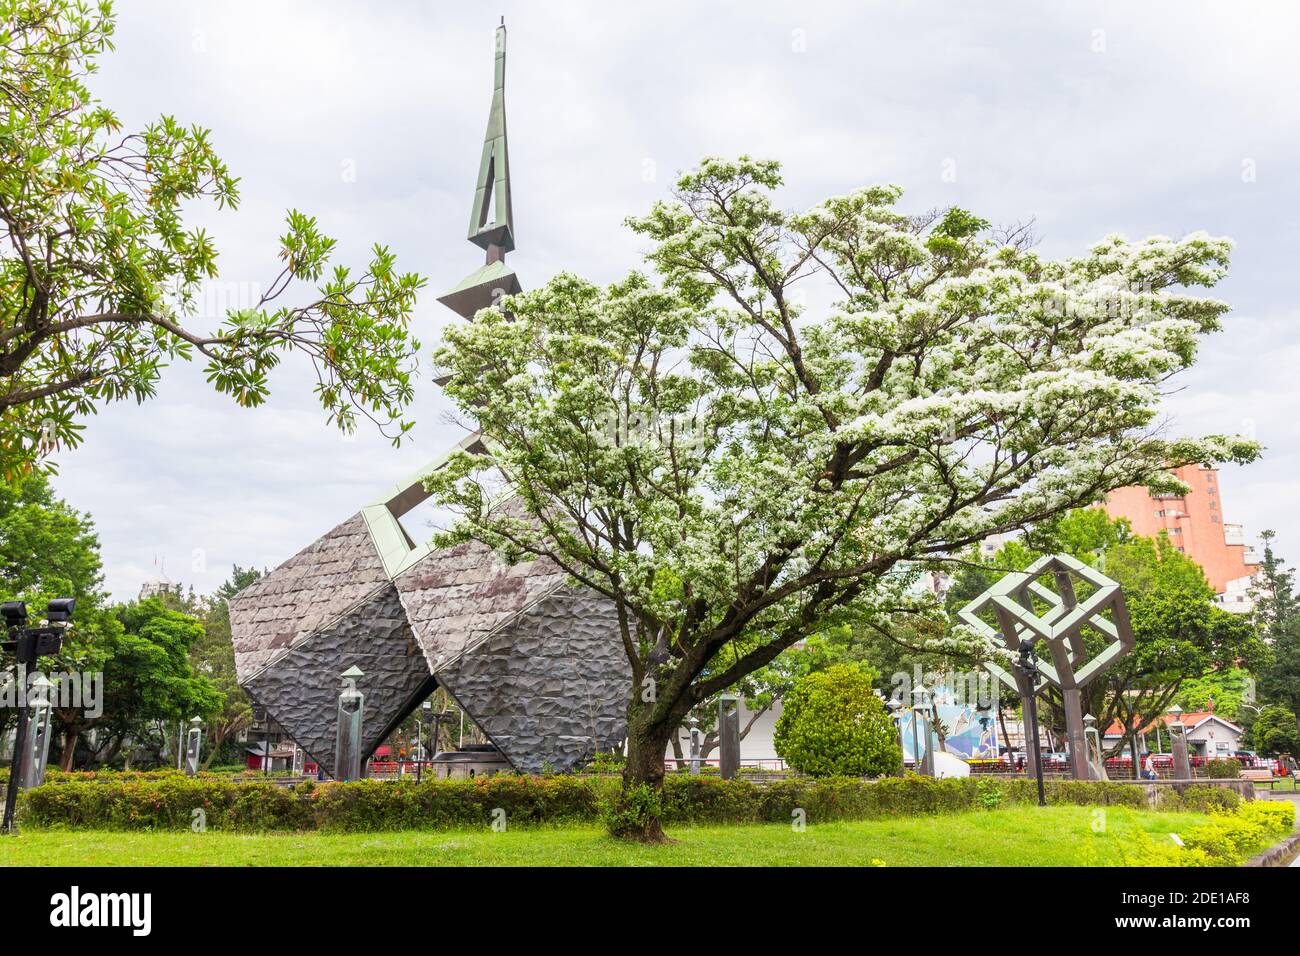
x=1195 y=525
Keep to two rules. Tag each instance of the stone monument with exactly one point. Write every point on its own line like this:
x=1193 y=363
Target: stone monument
x=535 y=662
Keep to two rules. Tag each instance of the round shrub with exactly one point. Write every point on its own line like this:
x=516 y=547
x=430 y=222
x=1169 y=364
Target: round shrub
x=832 y=724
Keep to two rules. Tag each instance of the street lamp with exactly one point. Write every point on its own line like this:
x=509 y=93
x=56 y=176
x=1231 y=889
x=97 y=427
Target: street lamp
x=895 y=714
x=924 y=765
x=1027 y=665
x=1093 y=737
x=28 y=644
x=193 y=746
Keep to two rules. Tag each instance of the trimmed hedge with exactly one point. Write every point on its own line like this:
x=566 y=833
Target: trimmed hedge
x=169 y=803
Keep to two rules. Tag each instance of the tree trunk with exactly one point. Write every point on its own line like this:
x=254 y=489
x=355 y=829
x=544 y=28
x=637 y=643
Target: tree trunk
x=636 y=816
x=1133 y=752
x=70 y=738
x=677 y=751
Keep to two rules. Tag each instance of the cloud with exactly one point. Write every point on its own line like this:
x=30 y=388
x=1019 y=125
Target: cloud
x=1100 y=117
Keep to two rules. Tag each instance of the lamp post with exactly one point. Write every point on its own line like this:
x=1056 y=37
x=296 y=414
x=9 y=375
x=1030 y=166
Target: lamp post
x=28 y=644
x=922 y=765
x=193 y=745
x=1027 y=664
x=347 y=743
x=1093 y=737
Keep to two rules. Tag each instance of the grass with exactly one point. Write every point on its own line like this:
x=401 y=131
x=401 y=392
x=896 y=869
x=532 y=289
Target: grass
x=1019 y=836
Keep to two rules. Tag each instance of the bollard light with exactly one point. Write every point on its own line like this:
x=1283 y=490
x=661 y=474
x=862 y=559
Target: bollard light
x=193 y=746
x=1178 y=744
x=1093 y=737
x=895 y=708
x=37 y=745
x=347 y=744
x=694 y=726
x=921 y=723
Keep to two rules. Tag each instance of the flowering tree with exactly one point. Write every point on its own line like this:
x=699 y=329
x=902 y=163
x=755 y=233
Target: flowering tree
x=735 y=473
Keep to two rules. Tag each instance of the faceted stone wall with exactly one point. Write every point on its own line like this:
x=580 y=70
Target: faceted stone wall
x=550 y=688
x=536 y=664
x=300 y=690
x=311 y=589
x=457 y=596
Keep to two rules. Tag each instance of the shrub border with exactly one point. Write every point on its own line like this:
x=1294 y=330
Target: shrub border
x=169 y=803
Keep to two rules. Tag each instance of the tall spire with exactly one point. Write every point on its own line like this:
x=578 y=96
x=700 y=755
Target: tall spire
x=496 y=235
x=491 y=223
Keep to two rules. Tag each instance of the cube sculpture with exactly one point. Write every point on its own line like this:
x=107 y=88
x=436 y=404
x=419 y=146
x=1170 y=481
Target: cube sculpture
x=538 y=665
x=1060 y=627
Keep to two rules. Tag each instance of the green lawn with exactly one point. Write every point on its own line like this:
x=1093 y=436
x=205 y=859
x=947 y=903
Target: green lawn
x=1020 y=836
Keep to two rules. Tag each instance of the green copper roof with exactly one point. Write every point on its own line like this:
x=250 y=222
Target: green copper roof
x=480 y=289
x=493 y=192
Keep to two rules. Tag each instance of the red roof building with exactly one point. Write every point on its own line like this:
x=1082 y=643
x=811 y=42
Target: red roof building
x=1208 y=734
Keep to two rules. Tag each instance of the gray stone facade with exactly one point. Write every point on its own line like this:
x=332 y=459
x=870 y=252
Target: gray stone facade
x=301 y=688
x=551 y=687
x=338 y=570
x=537 y=664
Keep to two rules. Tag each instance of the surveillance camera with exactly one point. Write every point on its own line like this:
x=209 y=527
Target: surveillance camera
x=59 y=611
x=14 y=613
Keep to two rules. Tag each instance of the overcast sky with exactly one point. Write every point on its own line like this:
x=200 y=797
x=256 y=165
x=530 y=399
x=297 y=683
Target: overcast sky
x=1091 y=117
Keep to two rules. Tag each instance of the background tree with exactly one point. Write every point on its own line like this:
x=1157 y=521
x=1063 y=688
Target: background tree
x=99 y=277
x=765 y=688
x=1275 y=731
x=150 y=686
x=1277 y=615
x=834 y=724
x=213 y=656
x=49 y=550
x=775 y=467
x=1229 y=690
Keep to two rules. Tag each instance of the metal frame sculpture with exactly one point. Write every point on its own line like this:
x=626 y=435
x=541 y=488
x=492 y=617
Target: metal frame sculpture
x=1061 y=628
x=537 y=664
